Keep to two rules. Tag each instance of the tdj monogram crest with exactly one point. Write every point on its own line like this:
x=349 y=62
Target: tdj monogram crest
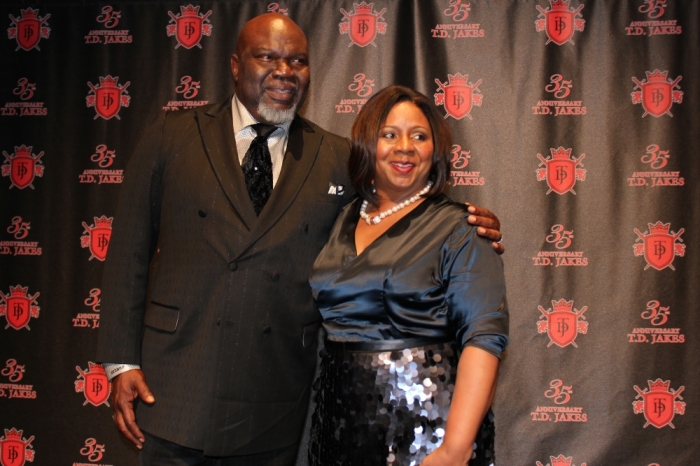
x=363 y=24
x=659 y=245
x=189 y=26
x=14 y=449
x=459 y=96
x=96 y=237
x=658 y=403
x=560 y=461
x=559 y=22
x=657 y=93
x=93 y=383
x=108 y=98
x=562 y=324
x=29 y=29
x=19 y=307
x=22 y=166
x=561 y=170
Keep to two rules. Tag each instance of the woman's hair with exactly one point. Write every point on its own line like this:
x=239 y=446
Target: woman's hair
x=365 y=134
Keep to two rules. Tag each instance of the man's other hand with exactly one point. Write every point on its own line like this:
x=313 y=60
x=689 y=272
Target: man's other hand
x=126 y=387
x=488 y=226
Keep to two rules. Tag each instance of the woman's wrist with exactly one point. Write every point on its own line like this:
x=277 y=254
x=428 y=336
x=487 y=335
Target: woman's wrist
x=460 y=452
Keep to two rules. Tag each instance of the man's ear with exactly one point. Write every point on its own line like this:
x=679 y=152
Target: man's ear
x=234 y=67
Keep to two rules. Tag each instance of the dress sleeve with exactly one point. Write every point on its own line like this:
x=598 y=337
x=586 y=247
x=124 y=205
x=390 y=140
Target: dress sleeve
x=472 y=273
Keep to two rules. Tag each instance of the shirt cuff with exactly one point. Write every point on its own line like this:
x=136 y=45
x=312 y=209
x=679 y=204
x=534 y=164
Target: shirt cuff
x=112 y=370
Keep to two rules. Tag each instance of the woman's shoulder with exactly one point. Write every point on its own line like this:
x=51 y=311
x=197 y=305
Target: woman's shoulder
x=447 y=208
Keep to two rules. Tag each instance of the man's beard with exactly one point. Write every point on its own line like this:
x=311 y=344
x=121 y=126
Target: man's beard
x=275 y=116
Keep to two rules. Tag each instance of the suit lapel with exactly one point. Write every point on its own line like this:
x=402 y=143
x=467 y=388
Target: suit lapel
x=216 y=128
x=302 y=150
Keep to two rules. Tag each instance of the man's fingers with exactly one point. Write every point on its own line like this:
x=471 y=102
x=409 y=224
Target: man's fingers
x=122 y=427
x=144 y=392
x=485 y=222
x=131 y=429
x=498 y=247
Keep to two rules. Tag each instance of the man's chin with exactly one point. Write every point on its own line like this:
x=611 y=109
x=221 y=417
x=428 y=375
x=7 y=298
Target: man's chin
x=276 y=116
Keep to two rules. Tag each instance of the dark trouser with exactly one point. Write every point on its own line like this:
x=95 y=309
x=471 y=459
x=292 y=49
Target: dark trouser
x=159 y=452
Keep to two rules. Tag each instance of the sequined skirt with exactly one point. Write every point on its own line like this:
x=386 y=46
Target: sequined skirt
x=387 y=407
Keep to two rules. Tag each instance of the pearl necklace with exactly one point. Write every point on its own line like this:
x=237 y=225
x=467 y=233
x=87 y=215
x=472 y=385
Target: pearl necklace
x=374 y=220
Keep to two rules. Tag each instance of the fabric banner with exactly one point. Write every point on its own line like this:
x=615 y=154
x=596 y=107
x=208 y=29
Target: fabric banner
x=575 y=121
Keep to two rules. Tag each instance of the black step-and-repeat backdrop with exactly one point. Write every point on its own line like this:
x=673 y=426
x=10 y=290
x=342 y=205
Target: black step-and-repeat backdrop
x=576 y=121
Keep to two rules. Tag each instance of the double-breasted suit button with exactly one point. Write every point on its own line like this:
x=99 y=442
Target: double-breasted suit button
x=275 y=276
x=218 y=322
x=202 y=213
x=232 y=266
x=267 y=329
x=306 y=227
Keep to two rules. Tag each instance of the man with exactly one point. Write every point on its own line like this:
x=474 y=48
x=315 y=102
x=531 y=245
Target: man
x=206 y=288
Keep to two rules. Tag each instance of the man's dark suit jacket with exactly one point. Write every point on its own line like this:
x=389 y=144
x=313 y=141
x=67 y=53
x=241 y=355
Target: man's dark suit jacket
x=213 y=302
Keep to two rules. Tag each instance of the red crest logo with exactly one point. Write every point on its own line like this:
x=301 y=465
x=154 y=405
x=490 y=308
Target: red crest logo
x=561 y=170
x=108 y=98
x=96 y=237
x=560 y=461
x=559 y=21
x=459 y=96
x=363 y=24
x=22 y=166
x=29 y=29
x=189 y=26
x=15 y=449
x=18 y=308
x=659 y=245
x=563 y=324
x=657 y=93
x=94 y=384
x=658 y=403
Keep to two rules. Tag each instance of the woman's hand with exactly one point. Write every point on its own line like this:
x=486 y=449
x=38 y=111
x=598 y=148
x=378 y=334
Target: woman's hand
x=443 y=457
x=488 y=226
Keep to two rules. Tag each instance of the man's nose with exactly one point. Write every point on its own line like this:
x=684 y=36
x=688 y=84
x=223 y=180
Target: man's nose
x=283 y=68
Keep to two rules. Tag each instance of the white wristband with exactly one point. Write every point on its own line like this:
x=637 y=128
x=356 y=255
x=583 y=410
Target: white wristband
x=112 y=370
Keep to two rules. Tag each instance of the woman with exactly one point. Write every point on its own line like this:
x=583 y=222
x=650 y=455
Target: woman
x=404 y=285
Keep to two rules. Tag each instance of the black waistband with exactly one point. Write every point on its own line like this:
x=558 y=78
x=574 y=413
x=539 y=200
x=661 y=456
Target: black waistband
x=382 y=345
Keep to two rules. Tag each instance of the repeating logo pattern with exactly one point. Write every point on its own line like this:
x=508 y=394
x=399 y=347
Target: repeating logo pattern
x=19 y=229
x=560 y=394
x=22 y=166
x=15 y=450
x=108 y=98
x=90 y=320
x=657 y=316
x=92 y=450
x=18 y=307
x=458 y=95
x=109 y=18
x=93 y=383
x=560 y=21
x=96 y=237
x=25 y=91
x=460 y=29
x=560 y=460
x=560 y=89
x=562 y=323
x=188 y=88
x=656 y=159
x=363 y=87
x=659 y=403
x=654 y=9
x=29 y=29
x=659 y=245
x=657 y=93
x=14 y=390
x=561 y=170
x=560 y=238
x=363 y=24
x=103 y=157
x=189 y=26
x=460 y=176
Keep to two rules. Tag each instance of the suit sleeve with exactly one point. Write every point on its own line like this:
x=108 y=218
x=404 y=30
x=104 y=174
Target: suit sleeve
x=134 y=237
